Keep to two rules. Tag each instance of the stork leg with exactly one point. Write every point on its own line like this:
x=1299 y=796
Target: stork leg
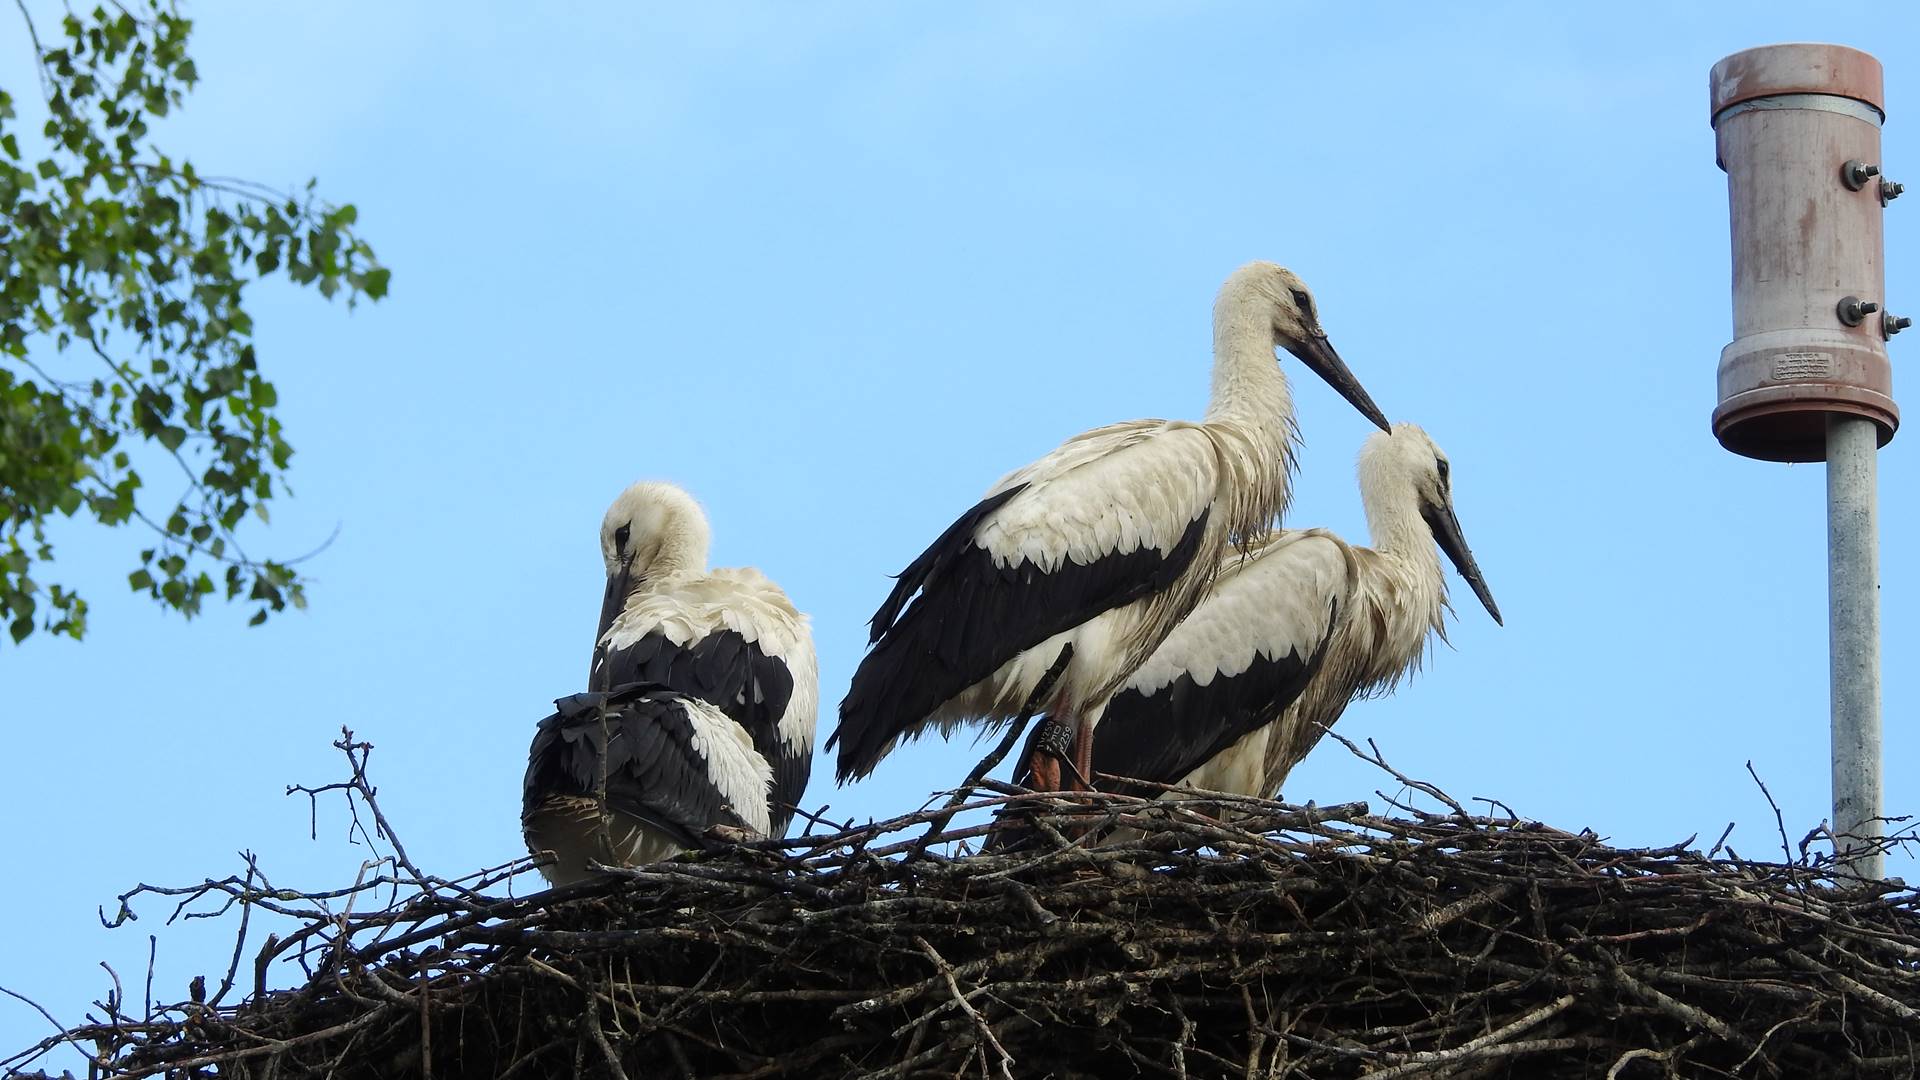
x=1049 y=742
x=1046 y=771
x=1083 y=757
x=1051 y=745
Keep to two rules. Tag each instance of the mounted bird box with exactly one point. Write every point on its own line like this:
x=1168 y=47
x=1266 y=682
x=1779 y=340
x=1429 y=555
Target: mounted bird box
x=1798 y=132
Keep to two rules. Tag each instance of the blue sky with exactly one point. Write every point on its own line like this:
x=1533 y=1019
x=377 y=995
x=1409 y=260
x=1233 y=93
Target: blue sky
x=836 y=270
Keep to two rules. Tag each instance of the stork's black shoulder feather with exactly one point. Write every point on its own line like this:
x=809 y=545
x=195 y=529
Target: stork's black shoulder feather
x=635 y=747
x=1163 y=736
x=741 y=680
x=722 y=668
x=971 y=617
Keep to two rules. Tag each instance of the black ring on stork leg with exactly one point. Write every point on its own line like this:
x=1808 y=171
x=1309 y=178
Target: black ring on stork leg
x=991 y=761
x=1053 y=747
x=1032 y=754
x=1058 y=751
x=1054 y=737
x=1047 y=750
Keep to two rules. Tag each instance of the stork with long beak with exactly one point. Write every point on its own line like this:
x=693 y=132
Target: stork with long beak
x=1286 y=637
x=1072 y=570
x=700 y=703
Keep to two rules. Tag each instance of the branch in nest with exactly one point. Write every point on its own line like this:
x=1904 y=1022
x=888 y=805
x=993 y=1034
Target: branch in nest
x=1196 y=934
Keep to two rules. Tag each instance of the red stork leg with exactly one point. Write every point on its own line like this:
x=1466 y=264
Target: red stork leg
x=1083 y=757
x=1045 y=769
x=1051 y=746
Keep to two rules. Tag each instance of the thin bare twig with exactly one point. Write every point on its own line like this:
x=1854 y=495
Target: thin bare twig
x=1197 y=933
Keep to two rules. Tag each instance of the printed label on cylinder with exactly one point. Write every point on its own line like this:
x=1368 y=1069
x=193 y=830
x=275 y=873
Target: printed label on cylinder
x=1802 y=365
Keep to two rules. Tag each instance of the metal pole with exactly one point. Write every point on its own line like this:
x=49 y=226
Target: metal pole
x=1806 y=378
x=1853 y=638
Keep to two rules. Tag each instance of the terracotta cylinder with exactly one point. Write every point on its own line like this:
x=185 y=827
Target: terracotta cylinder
x=1787 y=120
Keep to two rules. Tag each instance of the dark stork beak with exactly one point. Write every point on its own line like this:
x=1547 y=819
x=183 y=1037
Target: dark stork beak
x=1446 y=530
x=1317 y=353
x=618 y=585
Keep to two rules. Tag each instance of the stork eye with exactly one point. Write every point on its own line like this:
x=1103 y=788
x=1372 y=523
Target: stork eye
x=620 y=537
x=1303 y=301
x=1441 y=464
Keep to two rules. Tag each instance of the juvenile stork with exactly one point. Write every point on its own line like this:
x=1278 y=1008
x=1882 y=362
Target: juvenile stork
x=700 y=704
x=1285 y=638
x=1071 y=570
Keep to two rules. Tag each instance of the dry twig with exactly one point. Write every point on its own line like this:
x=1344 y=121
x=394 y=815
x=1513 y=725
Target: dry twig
x=1200 y=935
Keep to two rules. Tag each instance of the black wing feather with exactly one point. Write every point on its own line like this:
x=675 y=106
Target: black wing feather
x=933 y=561
x=740 y=679
x=640 y=739
x=973 y=616
x=1163 y=736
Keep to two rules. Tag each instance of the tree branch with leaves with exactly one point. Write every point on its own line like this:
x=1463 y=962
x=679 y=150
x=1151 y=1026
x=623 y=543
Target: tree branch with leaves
x=125 y=344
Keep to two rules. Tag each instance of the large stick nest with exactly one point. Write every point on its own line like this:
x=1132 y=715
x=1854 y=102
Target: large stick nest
x=1197 y=937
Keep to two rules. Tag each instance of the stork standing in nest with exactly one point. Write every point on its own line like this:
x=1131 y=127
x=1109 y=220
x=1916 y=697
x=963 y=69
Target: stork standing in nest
x=1238 y=694
x=1069 y=573
x=700 y=704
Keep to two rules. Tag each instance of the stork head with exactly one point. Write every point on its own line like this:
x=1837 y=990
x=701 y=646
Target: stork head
x=1263 y=289
x=651 y=530
x=1406 y=463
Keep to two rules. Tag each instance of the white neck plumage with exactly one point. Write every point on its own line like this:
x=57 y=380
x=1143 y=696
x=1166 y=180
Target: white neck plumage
x=1251 y=413
x=1404 y=542
x=680 y=553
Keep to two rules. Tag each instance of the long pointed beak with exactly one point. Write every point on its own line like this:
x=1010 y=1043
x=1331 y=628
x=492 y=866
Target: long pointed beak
x=1446 y=529
x=1317 y=353
x=613 y=603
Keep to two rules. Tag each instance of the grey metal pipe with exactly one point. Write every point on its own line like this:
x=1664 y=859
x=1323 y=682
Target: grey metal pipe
x=1806 y=377
x=1853 y=637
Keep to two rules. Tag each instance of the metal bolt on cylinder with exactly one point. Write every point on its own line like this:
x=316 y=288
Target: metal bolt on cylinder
x=1855 y=174
x=1853 y=311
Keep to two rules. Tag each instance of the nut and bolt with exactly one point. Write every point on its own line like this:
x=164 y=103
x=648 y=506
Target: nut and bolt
x=1889 y=190
x=1853 y=311
x=1891 y=324
x=1855 y=174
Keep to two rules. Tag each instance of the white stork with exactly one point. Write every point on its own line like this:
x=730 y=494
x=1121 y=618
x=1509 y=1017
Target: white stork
x=1072 y=569
x=1287 y=636
x=700 y=704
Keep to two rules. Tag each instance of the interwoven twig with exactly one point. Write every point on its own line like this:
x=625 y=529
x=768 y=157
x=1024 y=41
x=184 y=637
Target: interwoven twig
x=1201 y=936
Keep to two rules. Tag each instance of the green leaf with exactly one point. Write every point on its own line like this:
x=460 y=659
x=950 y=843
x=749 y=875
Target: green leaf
x=113 y=249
